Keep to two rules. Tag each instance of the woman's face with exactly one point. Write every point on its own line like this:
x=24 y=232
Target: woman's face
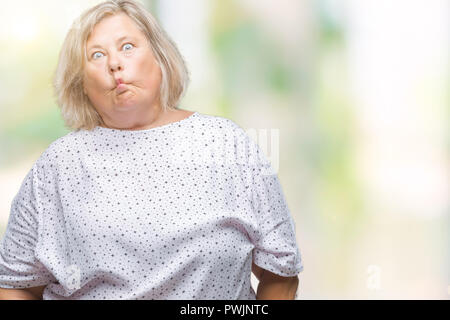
x=117 y=49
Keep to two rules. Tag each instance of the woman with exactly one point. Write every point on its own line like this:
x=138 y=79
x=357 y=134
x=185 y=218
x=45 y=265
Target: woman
x=143 y=200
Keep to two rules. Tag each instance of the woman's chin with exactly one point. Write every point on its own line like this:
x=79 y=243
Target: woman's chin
x=125 y=98
x=125 y=101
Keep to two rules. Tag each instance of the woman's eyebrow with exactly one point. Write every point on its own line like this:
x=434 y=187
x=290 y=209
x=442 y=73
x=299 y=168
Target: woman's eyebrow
x=117 y=41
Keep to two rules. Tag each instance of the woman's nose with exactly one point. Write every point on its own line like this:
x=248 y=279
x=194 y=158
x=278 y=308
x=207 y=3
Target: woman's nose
x=115 y=64
x=115 y=67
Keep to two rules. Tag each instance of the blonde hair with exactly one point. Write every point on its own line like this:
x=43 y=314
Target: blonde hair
x=76 y=109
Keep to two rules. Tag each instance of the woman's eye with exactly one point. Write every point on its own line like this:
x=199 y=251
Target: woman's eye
x=93 y=55
x=126 y=45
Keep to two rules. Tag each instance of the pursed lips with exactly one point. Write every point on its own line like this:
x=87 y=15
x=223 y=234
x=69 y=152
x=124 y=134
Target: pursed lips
x=120 y=86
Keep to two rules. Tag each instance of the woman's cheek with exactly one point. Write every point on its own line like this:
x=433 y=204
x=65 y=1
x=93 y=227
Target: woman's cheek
x=97 y=79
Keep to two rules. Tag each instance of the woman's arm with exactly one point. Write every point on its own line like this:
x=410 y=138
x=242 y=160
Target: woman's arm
x=34 y=293
x=274 y=287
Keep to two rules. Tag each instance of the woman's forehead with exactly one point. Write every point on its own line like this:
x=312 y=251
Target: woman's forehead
x=116 y=26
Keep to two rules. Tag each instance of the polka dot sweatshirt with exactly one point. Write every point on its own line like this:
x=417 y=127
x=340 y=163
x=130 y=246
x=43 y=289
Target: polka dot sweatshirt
x=178 y=211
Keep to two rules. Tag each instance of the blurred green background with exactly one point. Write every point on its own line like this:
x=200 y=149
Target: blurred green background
x=359 y=91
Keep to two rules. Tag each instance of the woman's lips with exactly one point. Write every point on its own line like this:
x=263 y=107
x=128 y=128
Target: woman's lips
x=121 y=88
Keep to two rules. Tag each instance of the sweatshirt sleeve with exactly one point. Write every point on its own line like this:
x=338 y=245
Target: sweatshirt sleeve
x=19 y=267
x=275 y=243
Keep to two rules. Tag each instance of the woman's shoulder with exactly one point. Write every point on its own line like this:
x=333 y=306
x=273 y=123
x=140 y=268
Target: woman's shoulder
x=61 y=146
x=221 y=123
